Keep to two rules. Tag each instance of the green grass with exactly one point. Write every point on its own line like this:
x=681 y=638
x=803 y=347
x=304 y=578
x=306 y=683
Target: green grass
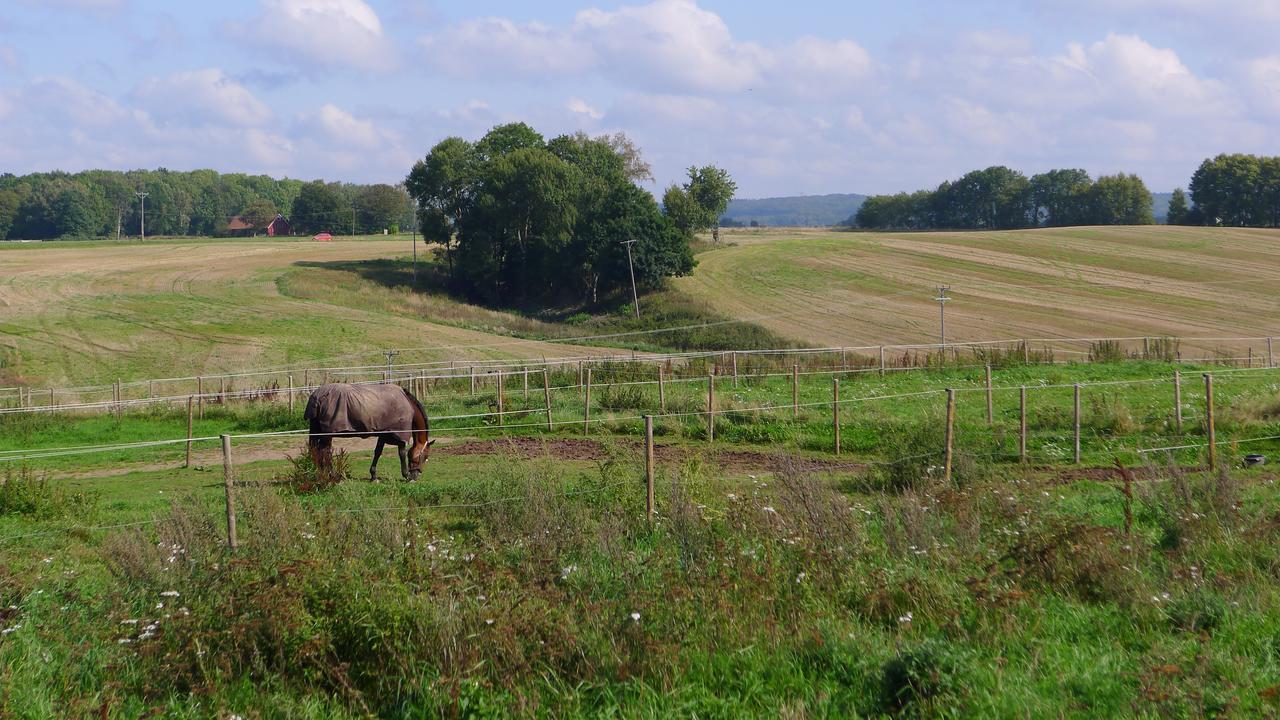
x=770 y=596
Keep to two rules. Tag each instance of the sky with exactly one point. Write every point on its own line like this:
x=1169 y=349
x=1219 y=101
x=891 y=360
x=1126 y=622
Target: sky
x=803 y=97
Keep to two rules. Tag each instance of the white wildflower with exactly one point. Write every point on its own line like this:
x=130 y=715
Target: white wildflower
x=567 y=571
x=769 y=509
x=635 y=616
x=170 y=593
x=905 y=618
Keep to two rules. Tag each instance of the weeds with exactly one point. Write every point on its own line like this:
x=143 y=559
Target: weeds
x=22 y=492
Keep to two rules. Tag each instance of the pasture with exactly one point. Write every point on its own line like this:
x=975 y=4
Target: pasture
x=784 y=575
x=840 y=288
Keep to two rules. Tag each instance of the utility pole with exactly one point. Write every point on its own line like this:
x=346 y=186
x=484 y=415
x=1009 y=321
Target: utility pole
x=390 y=354
x=635 y=298
x=415 y=244
x=353 y=221
x=942 y=312
x=143 y=197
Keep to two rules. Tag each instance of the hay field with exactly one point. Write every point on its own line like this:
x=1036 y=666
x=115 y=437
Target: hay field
x=75 y=312
x=839 y=288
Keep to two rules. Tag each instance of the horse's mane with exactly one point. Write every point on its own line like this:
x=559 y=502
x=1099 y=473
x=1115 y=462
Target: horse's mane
x=426 y=419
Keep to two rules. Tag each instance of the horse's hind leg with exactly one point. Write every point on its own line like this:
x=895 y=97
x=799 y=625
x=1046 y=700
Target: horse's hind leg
x=377 y=453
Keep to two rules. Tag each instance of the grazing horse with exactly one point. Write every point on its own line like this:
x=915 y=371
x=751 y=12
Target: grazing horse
x=388 y=412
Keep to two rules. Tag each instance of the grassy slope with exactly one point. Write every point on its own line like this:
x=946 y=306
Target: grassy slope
x=94 y=312
x=833 y=288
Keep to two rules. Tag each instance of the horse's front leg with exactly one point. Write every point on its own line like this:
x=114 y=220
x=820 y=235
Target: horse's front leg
x=377 y=453
x=404 y=460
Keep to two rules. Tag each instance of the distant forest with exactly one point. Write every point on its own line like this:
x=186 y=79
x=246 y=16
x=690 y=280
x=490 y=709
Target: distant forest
x=796 y=211
x=102 y=203
x=999 y=198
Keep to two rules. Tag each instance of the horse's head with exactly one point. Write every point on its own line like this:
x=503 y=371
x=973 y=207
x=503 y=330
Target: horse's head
x=418 y=457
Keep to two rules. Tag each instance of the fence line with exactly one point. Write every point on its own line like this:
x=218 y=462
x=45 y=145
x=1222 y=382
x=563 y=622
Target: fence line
x=462 y=367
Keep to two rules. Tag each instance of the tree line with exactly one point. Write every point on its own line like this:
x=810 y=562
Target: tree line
x=999 y=198
x=1232 y=190
x=104 y=203
x=521 y=219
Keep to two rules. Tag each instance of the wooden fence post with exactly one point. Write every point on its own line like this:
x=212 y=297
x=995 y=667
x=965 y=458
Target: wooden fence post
x=950 y=435
x=835 y=411
x=306 y=378
x=53 y=401
x=1146 y=348
x=222 y=390
x=844 y=360
x=1177 y=401
x=580 y=376
x=189 y=425
x=1208 y=416
x=662 y=390
x=881 y=361
x=1271 y=357
x=1026 y=354
x=1022 y=424
x=795 y=391
x=290 y=393
x=526 y=383
x=151 y=389
x=991 y=406
x=473 y=379
x=586 y=404
x=501 y=401
x=200 y=396
x=228 y=484
x=711 y=407
x=648 y=466
x=546 y=396
x=119 y=399
x=1076 y=415
x=735 y=369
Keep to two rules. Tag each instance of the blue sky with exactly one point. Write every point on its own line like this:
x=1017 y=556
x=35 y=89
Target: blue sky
x=798 y=97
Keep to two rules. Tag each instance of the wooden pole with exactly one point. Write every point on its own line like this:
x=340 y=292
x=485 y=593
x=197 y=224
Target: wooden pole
x=200 y=396
x=580 y=375
x=1026 y=354
x=1022 y=424
x=586 y=404
x=306 y=378
x=1250 y=356
x=190 y=414
x=222 y=390
x=881 y=361
x=795 y=391
x=950 y=434
x=662 y=390
x=648 y=466
x=1146 y=348
x=228 y=484
x=1076 y=399
x=735 y=369
x=151 y=389
x=473 y=379
x=711 y=407
x=119 y=399
x=1208 y=416
x=1271 y=357
x=835 y=411
x=526 y=383
x=991 y=405
x=53 y=402
x=546 y=396
x=1177 y=401
x=290 y=393
x=501 y=403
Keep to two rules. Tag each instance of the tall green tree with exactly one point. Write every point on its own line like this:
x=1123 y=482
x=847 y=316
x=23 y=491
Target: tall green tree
x=1058 y=197
x=443 y=185
x=1120 y=200
x=381 y=206
x=318 y=208
x=259 y=213
x=698 y=204
x=1178 y=210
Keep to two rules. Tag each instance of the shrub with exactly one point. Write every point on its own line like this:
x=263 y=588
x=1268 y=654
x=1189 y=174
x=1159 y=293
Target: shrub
x=22 y=493
x=1085 y=561
x=304 y=476
x=1106 y=351
x=919 y=677
x=628 y=397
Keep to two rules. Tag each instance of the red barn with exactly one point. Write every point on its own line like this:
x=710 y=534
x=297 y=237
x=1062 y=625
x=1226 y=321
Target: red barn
x=241 y=227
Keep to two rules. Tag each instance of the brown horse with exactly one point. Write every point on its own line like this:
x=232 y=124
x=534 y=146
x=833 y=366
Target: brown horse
x=386 y=412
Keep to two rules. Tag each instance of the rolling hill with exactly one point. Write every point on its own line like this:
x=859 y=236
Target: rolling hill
x=795 y=211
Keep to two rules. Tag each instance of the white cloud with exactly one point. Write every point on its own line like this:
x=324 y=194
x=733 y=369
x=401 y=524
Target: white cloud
x=663 y=47
x=202 y=96
x=339 y=126
x=578 y=106
x=494 y=47
x=317 y=34
x=1263 y=78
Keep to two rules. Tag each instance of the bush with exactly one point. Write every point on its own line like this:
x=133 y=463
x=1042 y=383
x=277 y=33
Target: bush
x=304 y=476
x=22 y=493
x=920 y=677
